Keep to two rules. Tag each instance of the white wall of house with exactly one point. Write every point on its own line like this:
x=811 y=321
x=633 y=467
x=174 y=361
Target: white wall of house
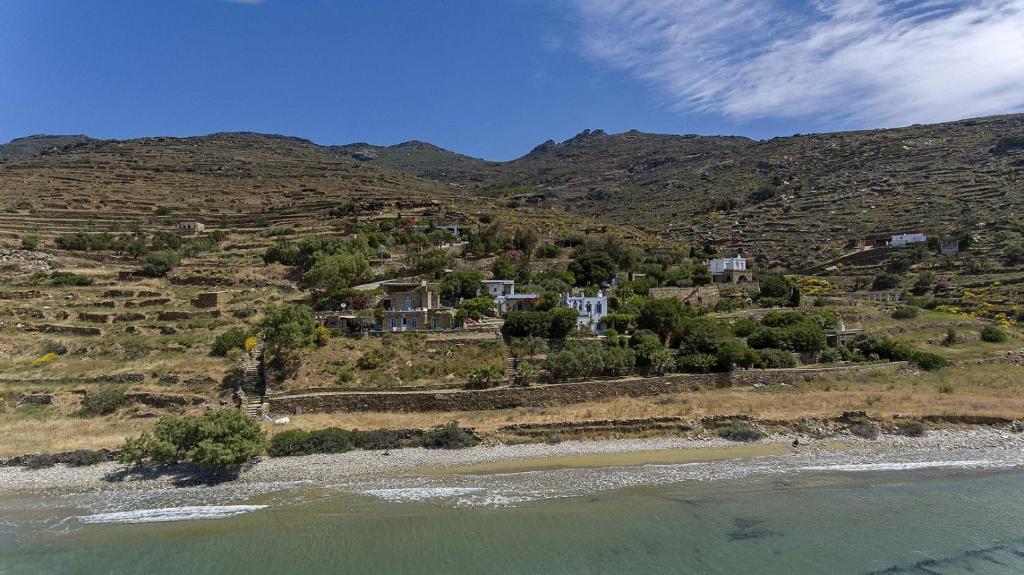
x=900 y=240
x=591 y=309
x=498 y=288
x=722 y=265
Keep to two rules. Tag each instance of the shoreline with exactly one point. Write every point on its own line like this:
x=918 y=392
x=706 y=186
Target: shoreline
x=485 y=459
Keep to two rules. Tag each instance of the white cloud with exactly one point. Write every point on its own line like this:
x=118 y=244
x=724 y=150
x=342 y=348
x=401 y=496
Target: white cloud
x=853 y=61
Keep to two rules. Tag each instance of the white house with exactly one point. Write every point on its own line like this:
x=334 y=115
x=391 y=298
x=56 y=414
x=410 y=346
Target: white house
x=900 y=240
x=591 y=309
x=722 y=265
x=498 y=288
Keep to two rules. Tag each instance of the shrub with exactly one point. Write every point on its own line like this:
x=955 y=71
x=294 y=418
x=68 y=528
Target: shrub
x=299 y=442
x=46 y=359
x=951 y=337
x=485 y=377
x=378 y=439
x=40 y=461
x=906 y=312
x=55 y=347
x=216 y=439
x=740 y=431
x=696 y=363
x=160 y=263
x=321 y=336
x=993 y=334
x=68 y=279
x=885 y=281
x=103 y=401
x=774 y=359
x=830 y=355
x=234 y=338
x=552 y=324
x=448 y=436
x=375 y=358
x=733 y=354
x=867 y=430
x=85 y=457
x=928 y=361
x=30 y=242
x=911 y=428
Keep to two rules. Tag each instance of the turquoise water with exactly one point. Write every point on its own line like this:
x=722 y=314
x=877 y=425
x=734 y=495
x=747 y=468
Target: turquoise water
x=850 y=519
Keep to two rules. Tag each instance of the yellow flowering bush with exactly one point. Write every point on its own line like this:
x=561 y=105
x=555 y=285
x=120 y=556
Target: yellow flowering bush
x=44 y=360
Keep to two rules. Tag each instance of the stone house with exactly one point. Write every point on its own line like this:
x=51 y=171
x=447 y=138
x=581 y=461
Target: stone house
x=591 y=310
x=191 y=228
x=498 y=288
x=730 y=270
x=411 y=305
x=208 y=299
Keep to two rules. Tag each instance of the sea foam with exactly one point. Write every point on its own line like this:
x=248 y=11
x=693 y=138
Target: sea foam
x=165 y=514
x=910 y=465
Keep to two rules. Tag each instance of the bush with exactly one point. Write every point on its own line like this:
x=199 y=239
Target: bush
x=993 y=334
x=299 y=442
x=907 y=312
x=448 y=436
x=68 y=279
x=830 y=355
x=696 y=363
x=234 y=338
x=378 y=439
x=158 y=264
x=952 y=338
x=733 y=354
x=928 y=361
x=45 y=359
x=40 y=461
x=867 y=430
x=911 y=428
x=375 y=358
x=552 y=324
x=740 y=431
x=216 y=439
x=885 y=281
x=103 y=401
x=774 y=359
x=85 y=457
x=30 y=242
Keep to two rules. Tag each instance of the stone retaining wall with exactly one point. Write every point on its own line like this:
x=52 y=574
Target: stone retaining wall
x=557 y=394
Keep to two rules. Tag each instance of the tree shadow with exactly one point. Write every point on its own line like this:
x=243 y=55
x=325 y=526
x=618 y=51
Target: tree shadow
x=180 y=475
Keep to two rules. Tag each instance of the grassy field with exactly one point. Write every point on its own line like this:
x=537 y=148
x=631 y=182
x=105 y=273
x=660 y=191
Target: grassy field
x=985 y=389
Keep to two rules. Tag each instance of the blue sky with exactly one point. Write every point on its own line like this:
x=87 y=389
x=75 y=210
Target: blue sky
x=493 y=79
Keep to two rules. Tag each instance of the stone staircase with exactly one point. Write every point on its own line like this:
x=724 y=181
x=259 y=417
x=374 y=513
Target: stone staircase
x=250 y=393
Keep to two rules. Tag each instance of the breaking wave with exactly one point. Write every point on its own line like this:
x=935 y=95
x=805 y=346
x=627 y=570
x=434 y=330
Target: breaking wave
x=165 y=514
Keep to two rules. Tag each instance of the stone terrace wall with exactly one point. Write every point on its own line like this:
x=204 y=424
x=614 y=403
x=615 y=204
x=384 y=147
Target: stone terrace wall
x=556 y=394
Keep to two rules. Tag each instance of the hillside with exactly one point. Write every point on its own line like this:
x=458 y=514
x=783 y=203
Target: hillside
x=793 y=200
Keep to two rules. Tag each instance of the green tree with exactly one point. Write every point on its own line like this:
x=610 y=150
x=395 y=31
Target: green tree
x=30 y=241
x=462 y=284
x=592 y=268
x=217 y=439
x=337 y=271
x=287 y=328
x=662 y=316
x=476 y=308
x=734 y=353
x=157 y=264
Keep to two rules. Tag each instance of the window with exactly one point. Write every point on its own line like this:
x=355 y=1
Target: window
x=407 y=304
x=414 y=321
x=394 y=323
x=598 y=308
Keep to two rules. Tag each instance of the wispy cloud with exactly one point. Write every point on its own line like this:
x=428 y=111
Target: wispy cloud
x=853 y=61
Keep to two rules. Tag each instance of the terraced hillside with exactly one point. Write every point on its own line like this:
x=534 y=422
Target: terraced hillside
x=794 y=200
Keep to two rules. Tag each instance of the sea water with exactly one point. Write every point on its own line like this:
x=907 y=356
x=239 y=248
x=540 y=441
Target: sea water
x=915 y=512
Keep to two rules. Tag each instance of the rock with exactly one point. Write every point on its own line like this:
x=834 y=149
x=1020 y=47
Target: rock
x=145 y=415
x=168 y=330
x=1017 y=426
x=169 y=379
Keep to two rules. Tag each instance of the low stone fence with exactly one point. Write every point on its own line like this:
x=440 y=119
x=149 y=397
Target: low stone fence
x=555 y=394
x=119 y=378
